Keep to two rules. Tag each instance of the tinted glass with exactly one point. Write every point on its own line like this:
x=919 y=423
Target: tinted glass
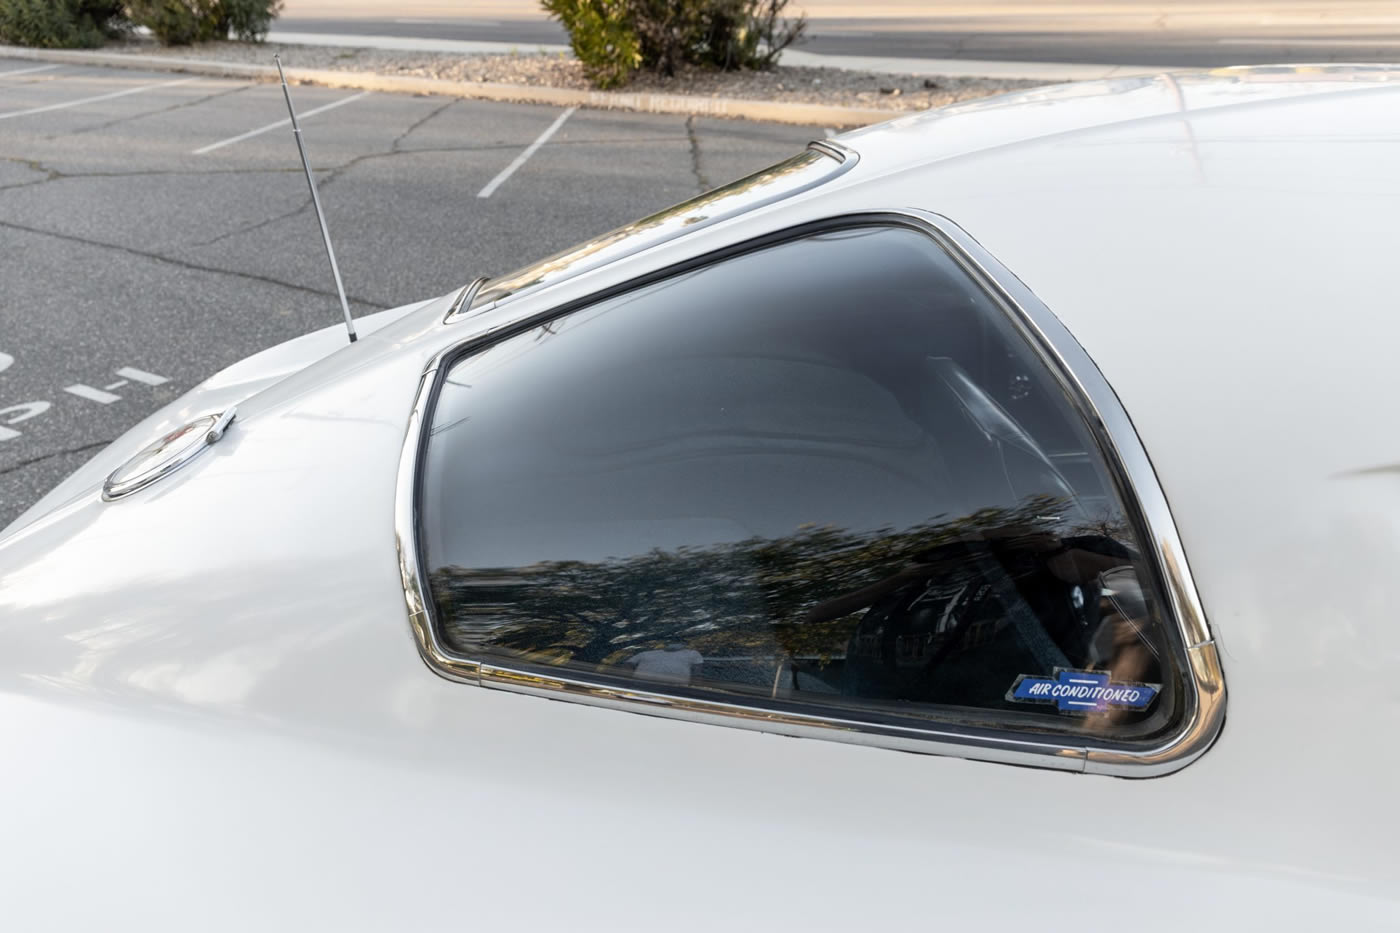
x=828 y=473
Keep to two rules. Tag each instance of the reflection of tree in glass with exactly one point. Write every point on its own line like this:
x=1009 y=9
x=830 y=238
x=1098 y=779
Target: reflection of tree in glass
x=760 y=596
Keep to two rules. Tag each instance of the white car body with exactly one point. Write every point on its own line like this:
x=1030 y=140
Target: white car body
x=216 y=716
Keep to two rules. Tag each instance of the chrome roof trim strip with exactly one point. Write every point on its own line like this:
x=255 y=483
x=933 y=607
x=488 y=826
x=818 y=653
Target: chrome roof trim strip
x=584 y=258
x=1122 y=450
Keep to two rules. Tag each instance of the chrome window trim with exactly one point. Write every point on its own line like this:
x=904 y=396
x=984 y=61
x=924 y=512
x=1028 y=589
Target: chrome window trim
x=1122 y=450
x=465 y=305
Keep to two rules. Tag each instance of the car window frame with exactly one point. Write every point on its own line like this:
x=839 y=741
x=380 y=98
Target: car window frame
x=1134 y=480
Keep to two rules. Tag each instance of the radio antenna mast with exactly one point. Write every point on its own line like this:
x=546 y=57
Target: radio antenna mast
x=316 y=201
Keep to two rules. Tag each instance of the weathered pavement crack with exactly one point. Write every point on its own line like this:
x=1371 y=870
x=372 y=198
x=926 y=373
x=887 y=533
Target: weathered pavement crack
x=81 y=448
x=701 y=181
x=55 y=174
x=151 y=113
x=34 y=165
x=193 y=266
x=257 y=225
x=330 y=175
x=394 y=146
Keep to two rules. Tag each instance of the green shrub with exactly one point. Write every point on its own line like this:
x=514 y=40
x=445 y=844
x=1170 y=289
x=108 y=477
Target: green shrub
x=59 y=23
x=177 y=22
x=248 y=20
x=86 y=23
x=603 y=37
x=614 y=38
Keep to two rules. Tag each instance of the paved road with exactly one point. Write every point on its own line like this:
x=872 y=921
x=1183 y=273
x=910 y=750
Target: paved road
x=133 y=267
x=1129 y=32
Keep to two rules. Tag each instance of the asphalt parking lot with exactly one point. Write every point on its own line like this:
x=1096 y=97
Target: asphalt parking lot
x=155 y=228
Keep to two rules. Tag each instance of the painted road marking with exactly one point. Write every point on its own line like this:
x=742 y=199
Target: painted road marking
x=524 y=157
x=105 y=396
x=26 y=410
x=15 y=414
x=140 y=375
x=91 y=394
x=93 y=100
x=829 y=132
x=28 y=71
x=272 y=126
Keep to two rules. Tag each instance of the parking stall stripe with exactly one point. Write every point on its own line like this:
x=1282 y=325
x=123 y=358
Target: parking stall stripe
x=28 y=71
x=524 y=157
x=91 y=394
x=93 y=100
x=140 y=375
x=280 y=123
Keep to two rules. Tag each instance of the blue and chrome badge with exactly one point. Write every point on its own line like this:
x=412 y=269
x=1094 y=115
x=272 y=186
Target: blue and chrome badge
x=1082 y=691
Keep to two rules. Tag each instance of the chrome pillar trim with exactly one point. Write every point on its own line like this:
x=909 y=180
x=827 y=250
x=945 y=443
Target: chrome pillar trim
x=464 y=298
x=834 y=149
x=1122 y=451
x=1141 y=493
x=1103 y=412
x=411 y=573
x=1203 y=725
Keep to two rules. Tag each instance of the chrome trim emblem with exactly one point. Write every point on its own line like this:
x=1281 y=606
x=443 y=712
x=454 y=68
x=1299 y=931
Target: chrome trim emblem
x=167 y=454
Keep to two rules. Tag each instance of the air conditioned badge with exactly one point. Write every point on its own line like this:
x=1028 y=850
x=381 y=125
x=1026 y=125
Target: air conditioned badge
x=1082 y=692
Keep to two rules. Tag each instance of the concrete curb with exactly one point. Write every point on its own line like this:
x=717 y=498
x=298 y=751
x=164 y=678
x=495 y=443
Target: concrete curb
x=770 y=111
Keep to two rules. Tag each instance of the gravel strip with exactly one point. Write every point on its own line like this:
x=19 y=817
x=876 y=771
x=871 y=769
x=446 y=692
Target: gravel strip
x=784 y=84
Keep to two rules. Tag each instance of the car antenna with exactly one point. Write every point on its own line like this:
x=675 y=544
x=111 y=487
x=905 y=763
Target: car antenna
x=316 y=201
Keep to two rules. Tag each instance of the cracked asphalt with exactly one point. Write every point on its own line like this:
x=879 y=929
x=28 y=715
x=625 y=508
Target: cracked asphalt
x=121 y=248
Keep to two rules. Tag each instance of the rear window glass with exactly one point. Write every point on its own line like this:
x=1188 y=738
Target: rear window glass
x=827 y=476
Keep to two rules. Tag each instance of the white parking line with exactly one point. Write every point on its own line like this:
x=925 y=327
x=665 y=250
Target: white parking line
x=94 y=395
x=272 y=126
x=140 y=375
x=92 y=100
x=524 y=157
x=28 y=71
